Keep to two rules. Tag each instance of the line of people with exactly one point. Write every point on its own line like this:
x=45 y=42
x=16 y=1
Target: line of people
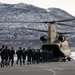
x=7 y=56
x=33 y=56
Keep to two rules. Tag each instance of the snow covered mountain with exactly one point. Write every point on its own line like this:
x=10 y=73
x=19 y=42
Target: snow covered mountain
x=15 y=33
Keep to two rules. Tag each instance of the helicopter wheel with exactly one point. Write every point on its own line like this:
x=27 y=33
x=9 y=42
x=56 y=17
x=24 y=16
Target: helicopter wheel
x=68 y=58
x=64 y=59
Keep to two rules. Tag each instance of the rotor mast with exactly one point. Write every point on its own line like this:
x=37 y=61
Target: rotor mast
x=51 y=33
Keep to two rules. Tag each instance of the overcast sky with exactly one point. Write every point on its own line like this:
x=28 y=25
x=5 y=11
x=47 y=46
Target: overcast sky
x=67 y=5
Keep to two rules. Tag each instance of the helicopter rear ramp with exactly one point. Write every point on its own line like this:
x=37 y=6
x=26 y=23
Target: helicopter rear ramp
x=54 y=48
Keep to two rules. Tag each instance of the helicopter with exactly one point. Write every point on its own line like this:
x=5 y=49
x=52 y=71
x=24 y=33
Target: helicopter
x=57 y=44
x=54 y=42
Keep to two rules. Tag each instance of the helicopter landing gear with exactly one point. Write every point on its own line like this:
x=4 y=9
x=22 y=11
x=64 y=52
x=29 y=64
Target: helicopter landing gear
x=68 y=58
x=64 y=59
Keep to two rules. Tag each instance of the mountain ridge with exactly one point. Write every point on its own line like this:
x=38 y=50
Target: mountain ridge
x=15 y=33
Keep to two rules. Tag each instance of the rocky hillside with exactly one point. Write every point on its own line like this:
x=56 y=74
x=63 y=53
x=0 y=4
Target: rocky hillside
x=16 y=34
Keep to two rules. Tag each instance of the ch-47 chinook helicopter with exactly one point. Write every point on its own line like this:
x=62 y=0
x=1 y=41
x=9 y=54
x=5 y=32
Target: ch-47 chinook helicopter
x=54 y=42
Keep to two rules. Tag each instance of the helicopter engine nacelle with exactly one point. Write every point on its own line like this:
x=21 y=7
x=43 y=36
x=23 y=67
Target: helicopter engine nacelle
x=44 y=38
x=61 y=38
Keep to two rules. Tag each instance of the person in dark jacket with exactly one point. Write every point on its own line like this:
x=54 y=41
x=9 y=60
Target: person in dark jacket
x=29 y=55
x=37 y=56
x=11 y=56
x=1 y=49
x=24 y=55
x=19 y=55
x=4 y=56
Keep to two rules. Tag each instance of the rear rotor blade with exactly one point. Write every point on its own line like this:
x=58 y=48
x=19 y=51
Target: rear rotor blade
x=65 y=20
x=64 y=32
x=65 y=24
x=36 y=30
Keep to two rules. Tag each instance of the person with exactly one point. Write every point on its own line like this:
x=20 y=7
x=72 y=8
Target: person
x=29 y=55
x=4 y=56
x=33 y=56
x=11 y=56
x=1 y=49
x=37 y=56
x=19 y=55
x=24 y=55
